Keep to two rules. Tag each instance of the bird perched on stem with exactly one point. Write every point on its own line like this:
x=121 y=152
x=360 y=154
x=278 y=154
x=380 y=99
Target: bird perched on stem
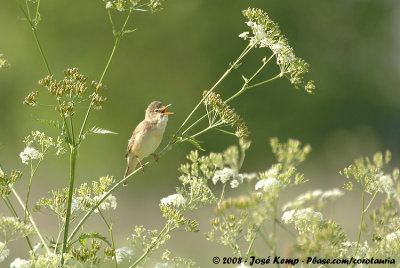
x=147 y=136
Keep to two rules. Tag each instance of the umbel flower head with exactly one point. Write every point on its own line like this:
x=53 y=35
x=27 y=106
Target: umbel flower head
x=125 y=5
x=266 y=33
x=68 y=91
x=227 y=114
x=38 y=144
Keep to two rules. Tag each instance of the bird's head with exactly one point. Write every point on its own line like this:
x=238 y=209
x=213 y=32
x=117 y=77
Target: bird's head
x=157 y=111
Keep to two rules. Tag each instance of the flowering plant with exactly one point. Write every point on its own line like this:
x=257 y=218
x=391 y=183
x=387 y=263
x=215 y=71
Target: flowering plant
x=206 y=180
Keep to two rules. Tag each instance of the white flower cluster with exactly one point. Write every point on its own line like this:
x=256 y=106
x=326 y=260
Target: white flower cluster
x=269 y=185
x=20 y=263
x=49 y=260
x=84 y=203
x=312 y=196
x=4 y=251
x=12 y=228
x=266 y=33
x=123 y=253
x=109 y=203
x=40 y=140
x=109 y=4
x=305 y=220
x=175 y=200
x=270 y=182
x=349 y=248
x=226 y=174
x=391 y=242
x=29 y=154
x=383 y=183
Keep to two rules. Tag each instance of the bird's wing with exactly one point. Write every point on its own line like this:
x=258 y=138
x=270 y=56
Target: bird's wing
x=136 y=132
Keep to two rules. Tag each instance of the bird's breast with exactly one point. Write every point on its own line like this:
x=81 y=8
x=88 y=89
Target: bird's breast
x=148 y=142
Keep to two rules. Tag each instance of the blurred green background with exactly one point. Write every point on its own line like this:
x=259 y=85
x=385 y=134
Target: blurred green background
x=351 y=46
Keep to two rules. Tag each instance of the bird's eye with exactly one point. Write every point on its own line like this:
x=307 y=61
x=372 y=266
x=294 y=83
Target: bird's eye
x=157 y=110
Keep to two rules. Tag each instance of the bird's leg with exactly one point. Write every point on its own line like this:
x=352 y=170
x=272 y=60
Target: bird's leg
x=141 y=164
x=156 y=157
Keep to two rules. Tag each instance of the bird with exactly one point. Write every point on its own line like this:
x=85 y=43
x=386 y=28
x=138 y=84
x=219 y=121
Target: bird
x=147 y=136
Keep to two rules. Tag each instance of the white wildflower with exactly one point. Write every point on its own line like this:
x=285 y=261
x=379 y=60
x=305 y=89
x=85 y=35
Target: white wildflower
x=384 y=184
x=392 y=241
x=234 y=183
x=1 y=172
x=393 y=237
x=20 y=263
x=175 y=200
x=333 y=194
x=109 y=203
x=109 y=4
x=223 y=175
x=37 y=247
x=270 y=185
x=12 y=228
x=123 y=253
x=28 y=154
x=76 y=203
x=249 y=176
x=244 y=35
x=312 y=196
x=288 y=216
x=348 y=249
x=305 y=220
x=273 y=171
x=4 y=251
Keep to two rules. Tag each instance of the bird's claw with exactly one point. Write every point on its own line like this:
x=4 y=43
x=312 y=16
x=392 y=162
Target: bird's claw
x=156 y=157
x=142 y=165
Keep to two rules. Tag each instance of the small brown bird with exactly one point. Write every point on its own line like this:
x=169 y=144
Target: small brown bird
x=147 y=136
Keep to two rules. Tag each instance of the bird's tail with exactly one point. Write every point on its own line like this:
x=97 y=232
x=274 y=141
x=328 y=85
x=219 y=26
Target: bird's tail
x=130 y=167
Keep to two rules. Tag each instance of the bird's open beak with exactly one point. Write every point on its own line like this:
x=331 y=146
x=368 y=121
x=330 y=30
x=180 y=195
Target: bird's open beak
x=164 y=111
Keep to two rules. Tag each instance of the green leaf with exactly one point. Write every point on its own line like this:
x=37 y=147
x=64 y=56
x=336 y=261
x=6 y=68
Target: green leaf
x=82 y=238
x=97 y=130
x=53 y=123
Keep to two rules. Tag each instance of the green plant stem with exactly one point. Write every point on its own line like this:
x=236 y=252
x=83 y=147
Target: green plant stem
x=44 y=58
x=274 y=238
x=70 y=195
x=109 y=226
x=361 y=222
x=227 y=72
x=251 y=243
x=41 y=50
x=33 y=27
x=240 y=92
x=364 y=210
x=32 y=221
x=33 y=171
x=118 y=38
x=370 y=202
x=72 y=130
x=152 y=245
